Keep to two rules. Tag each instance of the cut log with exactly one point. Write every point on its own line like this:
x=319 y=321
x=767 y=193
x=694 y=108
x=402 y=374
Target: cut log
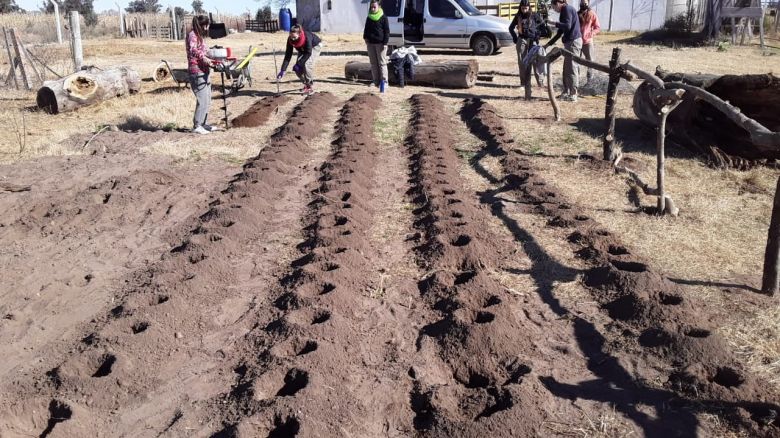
x=705 y=128
x=87 y=87
x=446 y=74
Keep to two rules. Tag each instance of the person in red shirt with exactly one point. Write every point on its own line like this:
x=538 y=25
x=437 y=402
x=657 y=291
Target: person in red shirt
x=589 y=25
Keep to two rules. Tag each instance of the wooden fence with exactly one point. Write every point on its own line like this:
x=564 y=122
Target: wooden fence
x=262 y=25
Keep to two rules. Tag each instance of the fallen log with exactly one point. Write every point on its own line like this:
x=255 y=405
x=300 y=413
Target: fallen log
x=87 y=87
x=445 y=74
x=733 y=120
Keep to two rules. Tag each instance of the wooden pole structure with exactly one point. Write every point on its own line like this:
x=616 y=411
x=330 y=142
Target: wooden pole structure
x=26 y=54
x=10 y=59
x=609 y=116
x=771 y=279
x=75 y=29
x=18 y=56
x=173 y=22
x=59 y=23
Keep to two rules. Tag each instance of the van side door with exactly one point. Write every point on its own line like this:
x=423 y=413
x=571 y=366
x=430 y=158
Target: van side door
x=445 y=25
x=394 y=10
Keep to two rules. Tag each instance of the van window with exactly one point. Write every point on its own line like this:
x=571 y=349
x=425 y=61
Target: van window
x=441 y=8
x=468 y=8
x=392 y=8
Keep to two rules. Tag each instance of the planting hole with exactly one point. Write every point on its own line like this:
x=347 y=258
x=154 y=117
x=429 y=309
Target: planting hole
x=617 y=250
x=163 y=299
x=698 y=333
x=581 y=217
x=340 y=250
x=327 y=288
x=629 y=266
x=477 y=380
x=465 y=277
x=449 y=192
x=492 y=301
x=330 y=267
x=453 y=201
x=728 y=377
x=345 y=197
x=320 y=317
x=346 y=233
x=307 y=348
x=456 y=214
x=462 y=240
x=285 y=428
x=341 y=220
x=484 y=317
x=140 y=327
x=671 y=300
x=294 y=381
x=58 y=413
x=106 y=363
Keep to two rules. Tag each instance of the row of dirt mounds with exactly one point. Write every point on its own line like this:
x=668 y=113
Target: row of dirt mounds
x=139 y=367
x=316 y=363
x=684 y=362
x=489 y=351
x=259 y=112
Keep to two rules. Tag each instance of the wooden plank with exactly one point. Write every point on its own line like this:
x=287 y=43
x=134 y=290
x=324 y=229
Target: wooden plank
x=742 y=12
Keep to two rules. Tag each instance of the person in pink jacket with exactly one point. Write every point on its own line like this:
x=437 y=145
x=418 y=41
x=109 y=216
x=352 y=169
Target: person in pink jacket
x=589 y=25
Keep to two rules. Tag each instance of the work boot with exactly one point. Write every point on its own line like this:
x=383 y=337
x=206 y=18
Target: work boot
x=308 y=90
x=200 y=130
x=210 y=128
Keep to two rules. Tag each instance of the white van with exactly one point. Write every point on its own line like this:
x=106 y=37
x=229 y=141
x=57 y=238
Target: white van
x=445 y=24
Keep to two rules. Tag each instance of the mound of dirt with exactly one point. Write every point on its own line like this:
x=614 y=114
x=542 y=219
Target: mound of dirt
x=259 y=112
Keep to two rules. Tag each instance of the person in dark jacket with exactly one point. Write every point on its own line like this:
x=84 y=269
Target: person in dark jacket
x=309 y=47
x=376 y=34
x=569 y=28
x=526 y=28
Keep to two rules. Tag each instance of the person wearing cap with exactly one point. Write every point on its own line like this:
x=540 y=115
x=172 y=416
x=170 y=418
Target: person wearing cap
x=569 y=29
x=526 y=28
x=590 y=27
x=376 y=34
x=309 y=47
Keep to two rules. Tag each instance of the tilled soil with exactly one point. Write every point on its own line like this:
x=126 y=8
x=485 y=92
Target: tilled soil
x=275 y=303
x=653 y=323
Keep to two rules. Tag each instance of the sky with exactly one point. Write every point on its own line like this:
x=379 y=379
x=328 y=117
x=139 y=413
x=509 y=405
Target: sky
x=234 y=7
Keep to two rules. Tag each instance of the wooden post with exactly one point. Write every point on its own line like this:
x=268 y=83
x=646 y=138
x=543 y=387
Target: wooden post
x=75 y=32
x=18 y=56
x=122 y=29
x=59 y=23
x=11 y=61
x=771 y=279
x=761 y=29
x=173 y=22
x=609 y=116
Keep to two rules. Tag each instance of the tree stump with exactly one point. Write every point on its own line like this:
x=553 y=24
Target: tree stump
x=705 y=129
x=446 y=74
x=87 y=87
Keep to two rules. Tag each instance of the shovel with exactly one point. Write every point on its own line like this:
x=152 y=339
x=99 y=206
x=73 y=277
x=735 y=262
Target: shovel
x=276 y=70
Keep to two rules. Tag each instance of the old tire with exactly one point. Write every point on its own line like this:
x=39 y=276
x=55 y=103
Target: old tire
x=483 y=45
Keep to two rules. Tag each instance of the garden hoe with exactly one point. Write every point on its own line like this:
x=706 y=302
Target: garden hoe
x=276 y=70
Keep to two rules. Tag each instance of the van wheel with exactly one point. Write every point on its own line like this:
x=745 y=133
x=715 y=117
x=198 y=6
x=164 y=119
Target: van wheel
x=482 y=45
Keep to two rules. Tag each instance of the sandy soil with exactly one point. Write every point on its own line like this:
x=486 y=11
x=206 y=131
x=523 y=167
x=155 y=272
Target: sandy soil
x=355 y=265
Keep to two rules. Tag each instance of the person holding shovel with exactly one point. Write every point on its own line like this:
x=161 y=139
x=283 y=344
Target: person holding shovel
x=569 y=28
x=199 y=66
x=376 y=34
x=309 y=47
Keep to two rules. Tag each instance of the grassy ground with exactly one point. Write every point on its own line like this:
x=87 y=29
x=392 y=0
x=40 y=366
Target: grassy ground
x=714 y=249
